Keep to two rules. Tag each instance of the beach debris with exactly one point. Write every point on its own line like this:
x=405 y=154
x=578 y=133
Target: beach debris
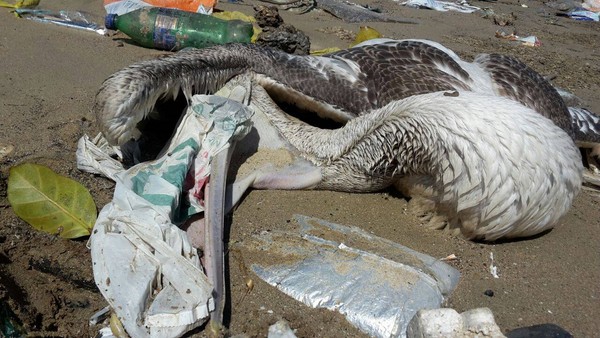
x=500 y=19
x=236 y=15
x=5 y=150
x=461 y=6
x=49 y=202
x=493 y=267
x=432 y=323
x=100 y=316
x=116 y=327
x=449 y=258
x=341 y=9
x=11 y=326
x=120 y=7
x=66 y=18
x=277 y=34
x=530 y=41
x=309 y=261
x=366 y=33
x=583 y=15
x=591 y=5
x=20 y=4
x=586 y=11
x=186 y=29
x=249 y=288
x=281 y=329
x=144 y=265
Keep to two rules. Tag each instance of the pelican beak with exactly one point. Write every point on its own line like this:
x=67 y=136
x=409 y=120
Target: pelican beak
x=214 y=259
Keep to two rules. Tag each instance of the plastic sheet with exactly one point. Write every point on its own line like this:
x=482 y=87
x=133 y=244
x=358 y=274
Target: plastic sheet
x=144 y=265
x=377 y=284
x=442 y=6
x=72 y=19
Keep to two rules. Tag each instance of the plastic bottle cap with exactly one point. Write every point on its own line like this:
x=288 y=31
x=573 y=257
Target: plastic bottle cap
x=109 y=21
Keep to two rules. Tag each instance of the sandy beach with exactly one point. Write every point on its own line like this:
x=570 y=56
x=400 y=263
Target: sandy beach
x=48 y=80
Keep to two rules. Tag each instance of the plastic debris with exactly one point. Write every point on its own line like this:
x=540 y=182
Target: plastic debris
x=10 y=326
x=281 y=329
x=442 y=6
x=72 y=19
x=5 y=150
x=451 y=257
x=591 y=5
x=99 y=316
x=366 y=33
x=146 y=26
x=531 y=41
x=235 y=15
x=583 y=15
x=433 y=323
x=21 y=4
x=493 y=267
x=309 y=261
x=121 y=7
x=144 y=265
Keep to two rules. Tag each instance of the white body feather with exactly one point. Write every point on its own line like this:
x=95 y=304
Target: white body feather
x=499 y=170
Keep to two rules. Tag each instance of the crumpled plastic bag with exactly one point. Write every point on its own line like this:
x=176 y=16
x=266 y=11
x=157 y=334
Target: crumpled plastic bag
x=144 y=265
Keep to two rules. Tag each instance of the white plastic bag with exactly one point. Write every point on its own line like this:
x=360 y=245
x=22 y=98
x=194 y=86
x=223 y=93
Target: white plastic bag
x=144 y=265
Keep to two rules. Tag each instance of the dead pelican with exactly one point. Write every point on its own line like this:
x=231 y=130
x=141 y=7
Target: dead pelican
x=488 y=145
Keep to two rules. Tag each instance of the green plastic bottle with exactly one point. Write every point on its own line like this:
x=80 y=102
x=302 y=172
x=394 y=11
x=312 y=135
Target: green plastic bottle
x=173 y=29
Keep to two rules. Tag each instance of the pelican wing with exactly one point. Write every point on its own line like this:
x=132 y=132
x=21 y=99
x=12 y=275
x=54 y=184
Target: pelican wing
x=394 y=70
x=515 y=80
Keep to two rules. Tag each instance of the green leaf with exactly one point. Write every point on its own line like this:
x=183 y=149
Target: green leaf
x=50 y=202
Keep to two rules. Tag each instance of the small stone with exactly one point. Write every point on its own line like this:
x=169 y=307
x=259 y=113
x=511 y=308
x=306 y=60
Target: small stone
x=489 y=293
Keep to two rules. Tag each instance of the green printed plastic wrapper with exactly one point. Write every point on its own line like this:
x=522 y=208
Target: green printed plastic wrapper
x=144 y=265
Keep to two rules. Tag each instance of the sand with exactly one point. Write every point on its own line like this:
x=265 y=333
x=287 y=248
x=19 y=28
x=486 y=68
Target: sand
x=48 y=80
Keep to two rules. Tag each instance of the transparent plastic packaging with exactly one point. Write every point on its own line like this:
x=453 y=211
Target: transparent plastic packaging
x=73 y=19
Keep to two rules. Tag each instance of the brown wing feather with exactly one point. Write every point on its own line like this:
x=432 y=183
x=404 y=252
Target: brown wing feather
x=395 y=71
x=516 y=80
